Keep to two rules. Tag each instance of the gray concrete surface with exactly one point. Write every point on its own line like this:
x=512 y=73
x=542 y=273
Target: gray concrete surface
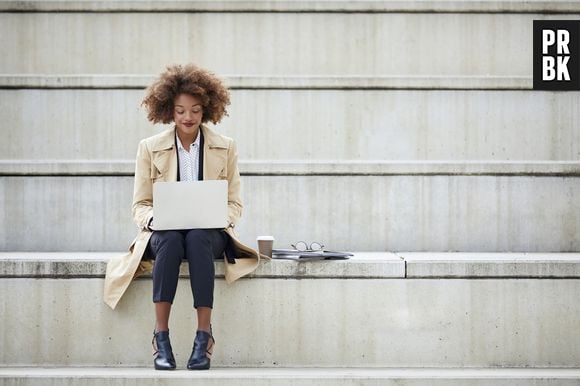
x=268 y=82
x=504 y=6
x=371 y=265
x=296 y=376
x=364 y=213
x=358 y=313
x=414 y=322
x=126 y=168
x=539 y=265
x=308 y=124
x=291 y=322
x=259 y=43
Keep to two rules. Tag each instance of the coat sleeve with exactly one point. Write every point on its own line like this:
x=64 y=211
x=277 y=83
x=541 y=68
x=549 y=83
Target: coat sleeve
x=143 y=187
x=234 y=198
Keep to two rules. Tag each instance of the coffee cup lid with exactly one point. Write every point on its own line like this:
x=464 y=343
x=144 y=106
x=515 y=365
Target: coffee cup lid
x=265 y=238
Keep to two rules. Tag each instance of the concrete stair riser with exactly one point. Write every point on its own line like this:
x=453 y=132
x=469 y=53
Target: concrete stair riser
x=336 y=168
x=363 y=6
x=312 y=124
x=297 y=376
x=270 y=43
x=396 y=213
x=308 y=322
x=370 y=265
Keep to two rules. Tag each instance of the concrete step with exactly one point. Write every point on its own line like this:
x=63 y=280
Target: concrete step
x=296 y=43
x=334 y=124
x=94 y=376
x=126 y=168
x=353 y=210
x=272 y=82
x=369 y=311
x=312 y=6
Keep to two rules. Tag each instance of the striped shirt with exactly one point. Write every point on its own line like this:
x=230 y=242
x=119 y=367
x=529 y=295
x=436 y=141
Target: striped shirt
x=188 y=160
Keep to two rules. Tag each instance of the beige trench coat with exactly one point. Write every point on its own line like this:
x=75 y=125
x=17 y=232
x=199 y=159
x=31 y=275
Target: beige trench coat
x=157 y=161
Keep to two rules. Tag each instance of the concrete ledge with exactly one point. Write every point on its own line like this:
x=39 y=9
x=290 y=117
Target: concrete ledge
x=266 y=323
x=491 y=265
x=288 y=376
x=386 y=125
x=419 y=168
x=491 y=6
x=367 y=265
x=445 y=44
x=392 y=213
x=54 y=264
x=308 y=168
x=239 y=82
x=364 y=265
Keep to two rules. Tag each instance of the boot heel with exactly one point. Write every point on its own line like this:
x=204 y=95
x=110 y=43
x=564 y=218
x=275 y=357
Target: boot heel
x=210 y=343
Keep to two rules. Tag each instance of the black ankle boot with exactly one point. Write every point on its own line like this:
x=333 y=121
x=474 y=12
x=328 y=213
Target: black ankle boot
x=202 y=349
x=164 y=359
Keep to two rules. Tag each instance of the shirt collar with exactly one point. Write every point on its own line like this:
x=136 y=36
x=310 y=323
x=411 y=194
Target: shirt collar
x=180 y=146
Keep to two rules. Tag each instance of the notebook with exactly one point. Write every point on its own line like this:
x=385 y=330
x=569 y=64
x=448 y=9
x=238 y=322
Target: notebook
x=190 y=205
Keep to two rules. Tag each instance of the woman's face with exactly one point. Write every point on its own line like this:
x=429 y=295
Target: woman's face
x=187 y=114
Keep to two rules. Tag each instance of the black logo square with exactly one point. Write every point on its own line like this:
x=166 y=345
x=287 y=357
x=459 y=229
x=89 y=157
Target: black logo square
x=557 y=55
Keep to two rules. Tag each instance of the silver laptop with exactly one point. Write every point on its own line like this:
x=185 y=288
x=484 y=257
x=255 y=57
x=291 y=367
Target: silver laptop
x=190 y=205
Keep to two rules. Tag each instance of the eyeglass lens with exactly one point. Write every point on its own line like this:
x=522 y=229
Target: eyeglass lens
x=303 y=246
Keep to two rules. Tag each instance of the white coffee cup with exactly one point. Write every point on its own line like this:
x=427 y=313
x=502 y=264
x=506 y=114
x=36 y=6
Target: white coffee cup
x=265 y=245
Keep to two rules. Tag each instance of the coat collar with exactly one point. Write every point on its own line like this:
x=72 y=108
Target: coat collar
x=215 y=159
x=165 y=159
x=166 y=139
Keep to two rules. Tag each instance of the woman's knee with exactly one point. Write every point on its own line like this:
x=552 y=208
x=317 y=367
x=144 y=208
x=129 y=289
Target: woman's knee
x=198 y=237
x=167 y=243
x=167 y=237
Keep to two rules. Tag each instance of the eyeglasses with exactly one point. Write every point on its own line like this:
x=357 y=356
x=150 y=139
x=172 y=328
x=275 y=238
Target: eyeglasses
x=304 y=247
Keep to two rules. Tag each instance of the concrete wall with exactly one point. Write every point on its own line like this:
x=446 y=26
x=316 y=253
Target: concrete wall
x=423 y=213
x=307 y=322
x=452 y=83
x=270 y=43
x=328 y=83
x=91 y=376
x=308 y=124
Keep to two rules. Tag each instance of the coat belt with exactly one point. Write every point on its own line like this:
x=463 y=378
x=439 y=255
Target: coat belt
x=230 y=250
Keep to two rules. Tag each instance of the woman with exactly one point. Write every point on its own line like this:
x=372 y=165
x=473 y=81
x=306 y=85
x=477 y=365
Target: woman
x=188 y=96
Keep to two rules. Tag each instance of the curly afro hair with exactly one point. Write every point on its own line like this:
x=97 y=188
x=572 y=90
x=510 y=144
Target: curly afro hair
x=189 y=79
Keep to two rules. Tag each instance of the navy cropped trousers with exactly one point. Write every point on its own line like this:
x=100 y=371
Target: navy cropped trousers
x=200 y=247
